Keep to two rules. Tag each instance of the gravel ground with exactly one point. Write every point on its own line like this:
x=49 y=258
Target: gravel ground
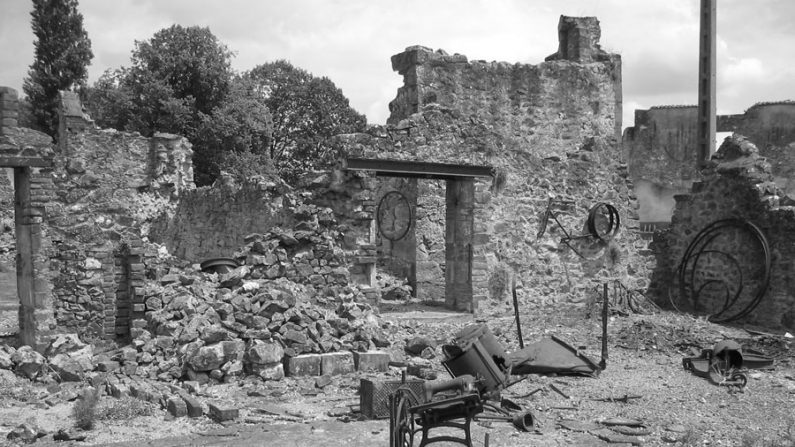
x=645 y=359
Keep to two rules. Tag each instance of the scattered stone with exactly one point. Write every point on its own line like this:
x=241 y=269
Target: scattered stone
x=193 y=406
x=6 y=352
x=26 y=433
x=66 y=435
x=28 y=362
x=615 y=438
x=304 y=365
x=337 y=363
x=416 y=345
x=72 y=366
x=264 y=352
x=221 y=412
x=177 y=406
x=64 y=343
x=108 y=366
x=323 y=381
x=376 y=361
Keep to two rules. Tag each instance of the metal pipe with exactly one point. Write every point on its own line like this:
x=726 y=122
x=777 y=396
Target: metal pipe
x=603 y=362
x=516 y=312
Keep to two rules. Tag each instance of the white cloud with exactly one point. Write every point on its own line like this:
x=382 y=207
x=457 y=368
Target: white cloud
x=351 y=41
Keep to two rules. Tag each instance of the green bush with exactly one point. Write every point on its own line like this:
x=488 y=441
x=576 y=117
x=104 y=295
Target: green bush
x=124 y=409
x=85 y=409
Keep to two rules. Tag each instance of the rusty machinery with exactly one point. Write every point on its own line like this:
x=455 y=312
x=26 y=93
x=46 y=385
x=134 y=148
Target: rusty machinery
x=477 y=362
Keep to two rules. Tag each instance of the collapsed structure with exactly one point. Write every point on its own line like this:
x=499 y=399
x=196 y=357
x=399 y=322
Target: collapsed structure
x=456 y=194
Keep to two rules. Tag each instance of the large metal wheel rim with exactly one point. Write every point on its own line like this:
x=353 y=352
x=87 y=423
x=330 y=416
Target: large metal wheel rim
x=404 y=423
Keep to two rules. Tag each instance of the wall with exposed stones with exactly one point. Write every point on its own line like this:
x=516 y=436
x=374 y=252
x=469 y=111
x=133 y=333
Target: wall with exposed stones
x=662 y=161
x=107 y=186
x=212 y=222
x=549 y=131
x=737 y=184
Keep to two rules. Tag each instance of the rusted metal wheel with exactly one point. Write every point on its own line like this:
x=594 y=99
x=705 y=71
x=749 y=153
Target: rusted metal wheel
x=402 y=423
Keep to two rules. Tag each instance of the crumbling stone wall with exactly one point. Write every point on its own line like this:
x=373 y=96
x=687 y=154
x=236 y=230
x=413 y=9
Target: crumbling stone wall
x=106 y=187
x=549 y=130
x=29 y=154
x=212 y=222
x=738 y=184
x=662 y=161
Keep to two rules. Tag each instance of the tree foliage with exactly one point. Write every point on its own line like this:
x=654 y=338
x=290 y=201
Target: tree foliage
x=306 y=111
x=175 y=83
x=276 y=116
x=62 y=55
x=240 y=125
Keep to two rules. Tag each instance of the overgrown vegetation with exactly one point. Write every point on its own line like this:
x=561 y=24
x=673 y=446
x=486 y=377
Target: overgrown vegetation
x=124 y=408
x=277 y=117
x=62 y=55
x=85 y=409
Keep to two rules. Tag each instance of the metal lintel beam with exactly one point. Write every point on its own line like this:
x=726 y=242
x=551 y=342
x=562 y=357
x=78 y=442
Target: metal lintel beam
x=402 y=168
x=21 y=162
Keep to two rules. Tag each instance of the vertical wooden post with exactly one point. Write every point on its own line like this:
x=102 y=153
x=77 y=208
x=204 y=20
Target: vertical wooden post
x=706 y=82
x=24 y=258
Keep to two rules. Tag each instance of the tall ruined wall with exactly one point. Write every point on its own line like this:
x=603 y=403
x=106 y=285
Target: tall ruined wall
x=737 y=185
x=549 y=130
x=771 y=127
x=107 y=186
x=556 y=101
x=660 y=147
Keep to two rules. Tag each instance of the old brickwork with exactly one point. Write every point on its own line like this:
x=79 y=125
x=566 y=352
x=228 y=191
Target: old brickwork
x=549 y=130
x=108 y=186
x=737 y=184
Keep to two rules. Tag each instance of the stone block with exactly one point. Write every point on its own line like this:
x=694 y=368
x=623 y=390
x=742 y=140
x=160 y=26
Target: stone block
x=193 y=406
x=371 y=361
x=177 y=406
x=333 y=363
x=222 y=412
x=118 y=390
x=108 y=366
x=303 y=365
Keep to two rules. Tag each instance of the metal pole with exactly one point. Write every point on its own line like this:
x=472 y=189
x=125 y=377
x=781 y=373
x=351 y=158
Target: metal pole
x=516 y=312
x=603 y=362
x=706 y=82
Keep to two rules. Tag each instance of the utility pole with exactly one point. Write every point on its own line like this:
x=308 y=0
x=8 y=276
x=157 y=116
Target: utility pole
x=706 y=82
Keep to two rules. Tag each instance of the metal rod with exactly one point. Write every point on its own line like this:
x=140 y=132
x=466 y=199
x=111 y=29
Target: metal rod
x=603 y=362
x=516 y=312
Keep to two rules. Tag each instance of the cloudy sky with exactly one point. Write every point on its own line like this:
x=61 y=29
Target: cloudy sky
x=351 y=41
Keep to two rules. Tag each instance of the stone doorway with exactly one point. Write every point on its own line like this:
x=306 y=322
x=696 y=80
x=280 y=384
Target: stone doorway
x=457 y=184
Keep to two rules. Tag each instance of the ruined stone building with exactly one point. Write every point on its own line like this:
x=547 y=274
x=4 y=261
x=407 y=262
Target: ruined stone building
x=451 y=195
x=741 y=269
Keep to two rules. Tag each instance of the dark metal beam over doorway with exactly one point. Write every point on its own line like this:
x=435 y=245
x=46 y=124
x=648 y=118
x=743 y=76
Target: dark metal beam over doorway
x=402 y=168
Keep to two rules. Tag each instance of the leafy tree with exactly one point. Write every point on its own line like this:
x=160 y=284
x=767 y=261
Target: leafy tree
x=306 y=111
x=236 y=135
x=190 y=61
x=177 y=79
x=62 y=55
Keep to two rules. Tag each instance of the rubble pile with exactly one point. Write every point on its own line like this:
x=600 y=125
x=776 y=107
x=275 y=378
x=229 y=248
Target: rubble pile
x=289 y=296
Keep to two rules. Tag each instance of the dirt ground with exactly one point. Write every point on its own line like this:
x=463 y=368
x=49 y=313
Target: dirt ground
x=645 y=359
